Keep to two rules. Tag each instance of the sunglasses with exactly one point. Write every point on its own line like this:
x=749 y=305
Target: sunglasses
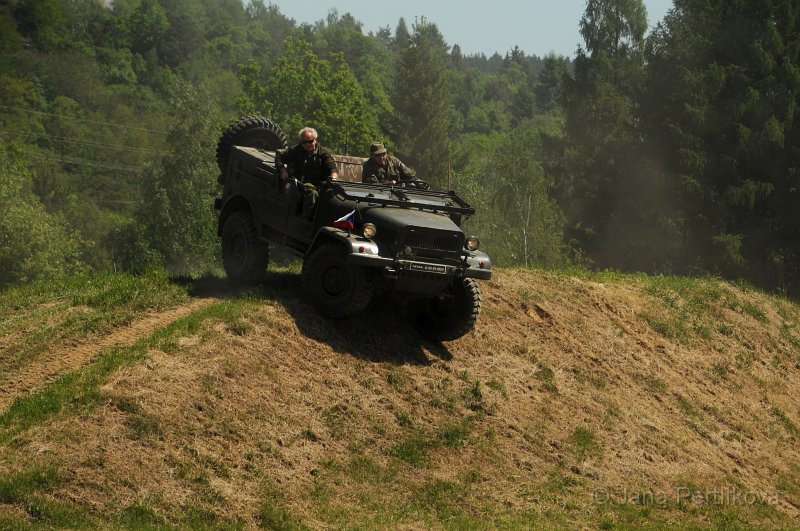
x=309 y=141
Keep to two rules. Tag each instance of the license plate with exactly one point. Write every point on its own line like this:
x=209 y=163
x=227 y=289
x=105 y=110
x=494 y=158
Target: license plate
x=426 y=268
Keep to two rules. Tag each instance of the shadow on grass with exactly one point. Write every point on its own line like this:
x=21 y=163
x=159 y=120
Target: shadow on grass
x=381 y=333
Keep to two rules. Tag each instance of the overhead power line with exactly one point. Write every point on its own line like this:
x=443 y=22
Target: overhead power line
x=88 y=162
x=69 y=140
x=122 y=126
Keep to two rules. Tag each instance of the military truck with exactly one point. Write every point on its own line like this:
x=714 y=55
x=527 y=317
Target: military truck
x=404 y=242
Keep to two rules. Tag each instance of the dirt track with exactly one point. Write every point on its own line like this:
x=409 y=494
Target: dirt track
x=64 y=358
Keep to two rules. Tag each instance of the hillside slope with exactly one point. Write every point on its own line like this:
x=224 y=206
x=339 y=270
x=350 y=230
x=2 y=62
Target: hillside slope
x=616 y=400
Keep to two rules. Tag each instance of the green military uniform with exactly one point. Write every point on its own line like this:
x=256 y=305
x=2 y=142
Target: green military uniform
x=372 y=172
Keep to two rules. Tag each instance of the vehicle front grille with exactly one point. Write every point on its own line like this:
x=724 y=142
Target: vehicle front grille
x=433 y=243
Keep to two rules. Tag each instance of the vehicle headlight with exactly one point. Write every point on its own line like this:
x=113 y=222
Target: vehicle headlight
x=472 y=243
x=369 y=230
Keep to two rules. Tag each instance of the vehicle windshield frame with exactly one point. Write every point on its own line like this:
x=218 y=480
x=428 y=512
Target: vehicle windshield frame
x=413 y=198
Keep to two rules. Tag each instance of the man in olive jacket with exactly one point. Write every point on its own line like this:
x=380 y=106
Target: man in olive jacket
x=384 y=168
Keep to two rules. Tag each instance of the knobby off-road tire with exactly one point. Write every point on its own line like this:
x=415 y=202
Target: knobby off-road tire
x=244 y=256
x=448 y=316
x=336 y=289
x=250 y=131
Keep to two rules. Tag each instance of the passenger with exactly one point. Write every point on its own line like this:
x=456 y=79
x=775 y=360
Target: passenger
x=384 y=168
x=311 y=164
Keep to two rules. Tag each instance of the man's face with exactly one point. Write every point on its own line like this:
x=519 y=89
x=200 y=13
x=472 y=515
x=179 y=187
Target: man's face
x=309 y=141
x=381 y=159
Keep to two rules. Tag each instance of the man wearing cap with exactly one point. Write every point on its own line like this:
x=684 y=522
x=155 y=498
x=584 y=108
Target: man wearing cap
x=384 y=168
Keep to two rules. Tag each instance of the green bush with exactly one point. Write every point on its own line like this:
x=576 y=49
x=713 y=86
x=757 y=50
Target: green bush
x=34 y=244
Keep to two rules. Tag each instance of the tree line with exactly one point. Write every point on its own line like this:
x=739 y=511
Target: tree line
x=673 y=151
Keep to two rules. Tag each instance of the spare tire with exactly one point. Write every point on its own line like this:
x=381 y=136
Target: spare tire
x=250 y=131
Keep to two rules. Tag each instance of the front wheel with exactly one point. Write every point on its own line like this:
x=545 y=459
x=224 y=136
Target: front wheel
x=450 y=315
x=336 y=288
x=244 y=255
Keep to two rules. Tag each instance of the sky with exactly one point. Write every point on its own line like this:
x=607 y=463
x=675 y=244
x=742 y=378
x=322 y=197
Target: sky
x=537 y=27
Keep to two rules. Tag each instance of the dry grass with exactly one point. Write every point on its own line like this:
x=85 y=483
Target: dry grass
x=576 y=402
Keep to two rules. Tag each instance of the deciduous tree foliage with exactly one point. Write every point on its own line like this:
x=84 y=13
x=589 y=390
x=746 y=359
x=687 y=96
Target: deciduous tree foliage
x=676 y=153
x=148 y=26
x=176 y=211
x=34 y=244
x=518 y=217
x=305 y=90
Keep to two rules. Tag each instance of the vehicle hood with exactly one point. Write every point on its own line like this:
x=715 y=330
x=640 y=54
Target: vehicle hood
x=394 y=219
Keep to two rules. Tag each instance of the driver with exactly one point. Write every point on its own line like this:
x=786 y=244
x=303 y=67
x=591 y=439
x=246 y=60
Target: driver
x=312 y=165
x=384 y=168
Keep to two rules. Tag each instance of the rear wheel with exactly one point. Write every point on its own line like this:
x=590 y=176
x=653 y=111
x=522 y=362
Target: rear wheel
x=250 y=131
x=244 y=255
x=336 y=288
x=449 y=315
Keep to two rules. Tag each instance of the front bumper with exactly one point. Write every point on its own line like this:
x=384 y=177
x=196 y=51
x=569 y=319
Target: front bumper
x=396 y=268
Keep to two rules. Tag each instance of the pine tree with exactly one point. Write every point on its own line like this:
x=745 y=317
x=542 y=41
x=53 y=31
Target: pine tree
x=424 y=104
x=725 y=84
x=604 y=187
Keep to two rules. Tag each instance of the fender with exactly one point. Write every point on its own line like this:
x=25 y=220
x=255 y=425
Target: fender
x=233 y=204
x=479 y=266
x=357 y=245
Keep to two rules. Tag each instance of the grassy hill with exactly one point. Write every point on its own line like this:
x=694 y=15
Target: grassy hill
x=582 y=401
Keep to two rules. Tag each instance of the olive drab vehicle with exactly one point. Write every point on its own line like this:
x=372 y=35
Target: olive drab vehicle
x=362 y=239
